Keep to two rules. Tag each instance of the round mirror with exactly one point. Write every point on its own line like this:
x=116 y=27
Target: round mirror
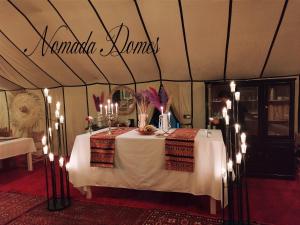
x=124 y=96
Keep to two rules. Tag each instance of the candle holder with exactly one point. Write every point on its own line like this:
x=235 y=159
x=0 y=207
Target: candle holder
x=109 y=117
x=164 y=123
x=111 y=114
x=57 y=184
x=234 y=180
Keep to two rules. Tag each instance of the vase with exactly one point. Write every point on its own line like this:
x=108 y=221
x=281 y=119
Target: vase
x=143 y=120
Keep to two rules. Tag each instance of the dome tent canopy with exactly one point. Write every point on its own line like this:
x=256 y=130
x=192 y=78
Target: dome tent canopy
x=190 y=40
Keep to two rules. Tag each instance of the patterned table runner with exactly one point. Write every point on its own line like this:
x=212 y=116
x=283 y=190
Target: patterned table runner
x=103 y=147
x=179 y=150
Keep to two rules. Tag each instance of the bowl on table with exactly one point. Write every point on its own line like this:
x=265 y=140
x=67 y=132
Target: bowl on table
x=147 y=130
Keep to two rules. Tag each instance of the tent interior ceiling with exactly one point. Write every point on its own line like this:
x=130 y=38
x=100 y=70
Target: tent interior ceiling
x=248 y=35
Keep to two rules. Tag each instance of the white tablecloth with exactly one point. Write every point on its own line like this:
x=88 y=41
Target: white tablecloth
x=20 y=146
x=139 y=164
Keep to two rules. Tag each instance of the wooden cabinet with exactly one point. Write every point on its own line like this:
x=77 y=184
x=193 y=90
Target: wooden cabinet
x=268 y=119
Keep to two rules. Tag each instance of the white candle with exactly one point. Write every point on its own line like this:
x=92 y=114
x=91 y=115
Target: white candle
x=56 y=126
x=237 y=128
x=112 y=108
x=57 y=106
x=46 y=92
x=45 y=149
x=105 y=109
x=49 y=99
x=244 y=148
x=68 y=166
x=50 y=131
x=243 y=138
x=224 y=112
x=237 y=96
x=162 y=110
x=44 y=140
x=227 y=120
x=228 y=104
x=56 y=113
x=101 y=108
x=229 y=165
x=51 y=157
x=238 y=158
x=169 y=116
x=224 y=174
x=232 y=86
x=61 y=119
x=116 y=108
x=61 y=161
x=108 y=105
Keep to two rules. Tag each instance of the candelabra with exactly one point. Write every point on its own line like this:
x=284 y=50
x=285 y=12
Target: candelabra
x=57 y=199
x=234 y=176
x=111 y=114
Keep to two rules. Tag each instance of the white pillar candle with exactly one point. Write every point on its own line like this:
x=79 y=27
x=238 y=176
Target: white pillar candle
x=237 y=128
x=57 y=106
x=101 y=108
x=61 y=119
x=105 y=109
x=224 y=112
x=244 y=148
x=169 y=116
x=112 y=108
x=45 y=149
x=49 y=99
x=162 y=110
x=46 y=92
x=108 y=105
x=228 y=104
x=227 y=120
x=50 y=131
x=232 y=86
x=237 y=96
x=229 y=165
x=238 y=158
x=243 y=138
x=116 y=108
x=51 y=156
x=56 y=126
x=56 y=113
x=61 y=161
x=44 y=140
x=68 y=166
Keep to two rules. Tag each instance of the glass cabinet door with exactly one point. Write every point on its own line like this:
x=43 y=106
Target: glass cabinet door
x=248 y=109
x=278 y=110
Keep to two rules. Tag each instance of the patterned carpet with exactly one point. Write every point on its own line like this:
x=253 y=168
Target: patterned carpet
x=21 y=209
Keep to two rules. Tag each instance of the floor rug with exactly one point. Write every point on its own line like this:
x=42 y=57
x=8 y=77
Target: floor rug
x=13 y=205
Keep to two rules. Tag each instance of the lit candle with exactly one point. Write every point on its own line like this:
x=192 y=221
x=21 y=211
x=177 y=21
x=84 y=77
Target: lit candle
x=238 y=158
x=112 y=108
x=105 y=109
x=229 y=165
x=116 y=108
x=61 y=119
x=237 y=128
x=228 y=104
x=237 y=96
x=169 y=116
x=224 y=174
x=101 y=108
x=243 y=138
x=227 y=120
x=56 y=126
x=51 y=156
x=57 y=106
x=44 y=140
x=224 y=112
x=45 y=149
x=232 y=86
x=244 y=148
x=68 y=166
x=108 y=105
x=50 y=131
x=49 y=99
x=61 y=161
x=46 y=92
x=162 y=110
x=56 y=113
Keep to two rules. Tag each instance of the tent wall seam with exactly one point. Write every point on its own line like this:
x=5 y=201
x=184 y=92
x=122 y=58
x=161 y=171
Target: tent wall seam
x=7 y=107
x=227 y=38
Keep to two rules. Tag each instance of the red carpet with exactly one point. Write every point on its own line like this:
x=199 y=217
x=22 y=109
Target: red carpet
x=272 y=201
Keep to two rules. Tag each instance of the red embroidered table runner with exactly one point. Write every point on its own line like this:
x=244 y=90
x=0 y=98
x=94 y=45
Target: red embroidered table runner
x=103 y=147
x=179 y=150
